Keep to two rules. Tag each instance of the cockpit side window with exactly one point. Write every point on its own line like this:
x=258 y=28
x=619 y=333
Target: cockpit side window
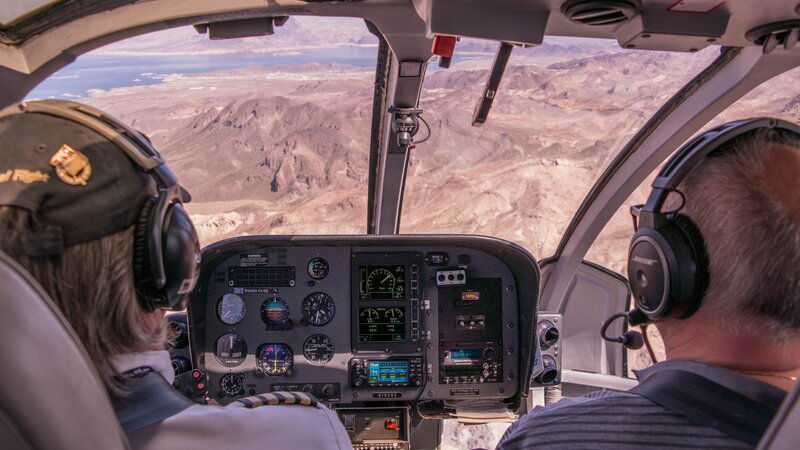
x=779 y=97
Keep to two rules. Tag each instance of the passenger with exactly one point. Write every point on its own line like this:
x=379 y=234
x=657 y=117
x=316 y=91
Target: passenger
x=744 y=340
x=74 y=212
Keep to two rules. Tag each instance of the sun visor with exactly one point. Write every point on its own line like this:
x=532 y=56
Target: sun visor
x=511 y=21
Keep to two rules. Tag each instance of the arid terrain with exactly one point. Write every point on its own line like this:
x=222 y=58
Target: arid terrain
x=284 y=149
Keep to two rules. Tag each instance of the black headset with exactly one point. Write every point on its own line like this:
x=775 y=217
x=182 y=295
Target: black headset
x=166 y=261
x=667 y=260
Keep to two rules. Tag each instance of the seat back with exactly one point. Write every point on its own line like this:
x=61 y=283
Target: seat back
x=51 y=395
x=783 y=433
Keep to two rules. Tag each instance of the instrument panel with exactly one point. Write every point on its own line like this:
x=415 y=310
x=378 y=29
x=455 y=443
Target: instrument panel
x=365 y=319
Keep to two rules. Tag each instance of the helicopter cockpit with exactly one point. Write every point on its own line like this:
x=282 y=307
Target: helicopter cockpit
x=402 y=333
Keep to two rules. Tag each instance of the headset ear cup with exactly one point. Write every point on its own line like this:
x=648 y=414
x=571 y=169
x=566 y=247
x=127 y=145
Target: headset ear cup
x=181 y=257
x=141 y=259
x=697 y=247
x=649 y=273
x=667 y=268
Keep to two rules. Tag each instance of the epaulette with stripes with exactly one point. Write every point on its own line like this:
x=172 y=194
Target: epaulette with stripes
x=279 y=398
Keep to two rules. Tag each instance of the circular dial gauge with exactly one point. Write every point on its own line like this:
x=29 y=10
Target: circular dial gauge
x=318 y=268
x=318 y=308
x=231 y=309
x=230 y=349
x=370 y=313
x=275 y=359
x=275 y=313
x=318 y=349
x=393 y=313
x=232 y=384
x=381 y=280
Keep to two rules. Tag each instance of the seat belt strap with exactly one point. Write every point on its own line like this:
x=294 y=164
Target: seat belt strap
x=149 y=400
x=707 y=403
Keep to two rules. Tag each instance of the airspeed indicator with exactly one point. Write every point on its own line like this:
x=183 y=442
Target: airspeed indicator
x=231 y=309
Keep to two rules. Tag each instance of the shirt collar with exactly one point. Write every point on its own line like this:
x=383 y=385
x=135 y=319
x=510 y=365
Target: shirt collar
x=752 y=388
x=158 y=360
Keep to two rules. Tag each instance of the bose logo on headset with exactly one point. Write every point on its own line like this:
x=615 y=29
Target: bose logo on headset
x=646 y=261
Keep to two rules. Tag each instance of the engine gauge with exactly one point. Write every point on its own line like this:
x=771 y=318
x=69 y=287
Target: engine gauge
x=318 y=349
x=275 y=359
x=318 y=308
x=231 y=309
x=381 y=280
x=318 y=268
x=232 y=384
x=393 y=313
x=275 y=314
x=230 y=350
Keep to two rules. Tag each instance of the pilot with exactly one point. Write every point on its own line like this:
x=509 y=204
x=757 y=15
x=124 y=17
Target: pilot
x=90 y=210
x=732 y=348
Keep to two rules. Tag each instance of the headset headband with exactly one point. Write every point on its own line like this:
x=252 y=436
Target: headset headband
x=137 y=147
x=690 y=155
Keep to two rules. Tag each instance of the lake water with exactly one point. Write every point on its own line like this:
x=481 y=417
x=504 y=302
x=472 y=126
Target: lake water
x=108 y=72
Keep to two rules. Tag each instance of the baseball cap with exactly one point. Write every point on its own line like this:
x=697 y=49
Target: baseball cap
x=78 y=184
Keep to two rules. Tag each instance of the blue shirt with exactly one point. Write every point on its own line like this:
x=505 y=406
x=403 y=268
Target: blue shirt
x=623 y=420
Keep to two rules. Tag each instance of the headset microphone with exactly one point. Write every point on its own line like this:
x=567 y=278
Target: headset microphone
x=630 y=339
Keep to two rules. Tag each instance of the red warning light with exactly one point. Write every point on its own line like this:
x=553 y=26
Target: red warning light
x=390 y=424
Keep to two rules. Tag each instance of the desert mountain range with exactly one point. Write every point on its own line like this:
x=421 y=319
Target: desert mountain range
x=284 y=150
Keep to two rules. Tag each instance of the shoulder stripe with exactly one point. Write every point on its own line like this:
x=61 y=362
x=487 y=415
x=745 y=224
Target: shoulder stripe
x=278 y=398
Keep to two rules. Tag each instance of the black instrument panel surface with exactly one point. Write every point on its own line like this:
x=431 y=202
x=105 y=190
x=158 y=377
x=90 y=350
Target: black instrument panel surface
x=355 y=319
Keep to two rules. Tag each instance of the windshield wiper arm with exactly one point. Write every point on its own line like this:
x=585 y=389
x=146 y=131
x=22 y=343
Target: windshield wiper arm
x=492 y=84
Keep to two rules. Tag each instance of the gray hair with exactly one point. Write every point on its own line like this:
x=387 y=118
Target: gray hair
x=752 y=237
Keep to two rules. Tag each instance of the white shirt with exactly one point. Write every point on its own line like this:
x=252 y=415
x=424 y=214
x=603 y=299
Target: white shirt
x=295 y=427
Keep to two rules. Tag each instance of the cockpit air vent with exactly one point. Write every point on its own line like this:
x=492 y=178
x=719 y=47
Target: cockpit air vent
x=786 y=34
x=600 y=12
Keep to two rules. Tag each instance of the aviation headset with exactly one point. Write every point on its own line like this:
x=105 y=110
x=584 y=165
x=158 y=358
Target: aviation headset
x=667 y=260
x=166 y=248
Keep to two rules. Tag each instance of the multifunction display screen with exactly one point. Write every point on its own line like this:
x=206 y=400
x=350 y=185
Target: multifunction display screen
x=382 y=282
x=382 y=324
x=383 y=373
x=462 y=355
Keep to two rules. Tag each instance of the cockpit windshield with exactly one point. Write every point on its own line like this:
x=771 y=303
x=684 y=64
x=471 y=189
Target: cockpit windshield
x=269 y=134
x=563 y=110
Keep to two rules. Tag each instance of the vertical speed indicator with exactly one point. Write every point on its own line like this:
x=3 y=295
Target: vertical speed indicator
x=318 y=349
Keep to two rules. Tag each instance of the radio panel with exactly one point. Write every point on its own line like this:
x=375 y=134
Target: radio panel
x=393 y=372
x=469 y=363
